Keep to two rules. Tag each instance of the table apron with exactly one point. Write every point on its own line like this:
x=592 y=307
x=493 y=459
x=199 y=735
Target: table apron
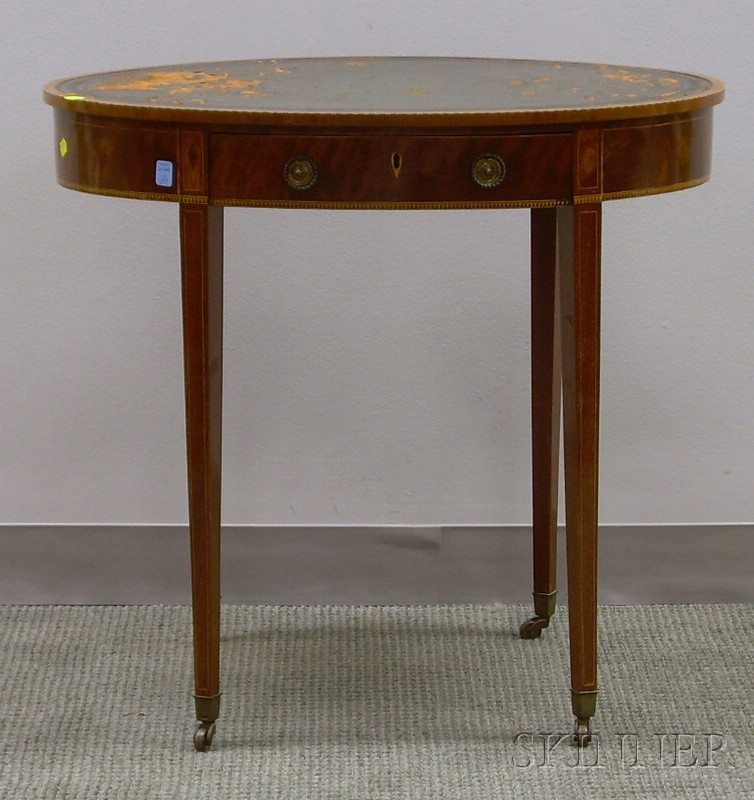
x=380 y=169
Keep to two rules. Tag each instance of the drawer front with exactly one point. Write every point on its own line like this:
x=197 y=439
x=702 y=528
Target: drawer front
x=390 y=170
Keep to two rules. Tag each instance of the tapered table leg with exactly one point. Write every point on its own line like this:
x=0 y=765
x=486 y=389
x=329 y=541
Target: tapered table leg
x=202 y=281
x=579 y=251
x=545 y=415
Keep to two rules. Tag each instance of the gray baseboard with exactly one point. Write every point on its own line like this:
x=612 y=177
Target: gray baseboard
x=366 y=565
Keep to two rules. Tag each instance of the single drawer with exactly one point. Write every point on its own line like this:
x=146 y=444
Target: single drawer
x=382 y=170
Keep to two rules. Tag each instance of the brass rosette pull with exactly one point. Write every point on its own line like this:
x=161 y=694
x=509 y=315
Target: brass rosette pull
x=300 y=173
x=488 y=170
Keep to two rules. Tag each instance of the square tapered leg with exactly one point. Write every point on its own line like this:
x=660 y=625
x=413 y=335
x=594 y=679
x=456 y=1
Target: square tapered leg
x=579 y=255
x=202 y=280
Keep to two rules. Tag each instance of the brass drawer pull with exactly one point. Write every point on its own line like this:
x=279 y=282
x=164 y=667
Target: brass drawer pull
x=488 y=171
x=300 y=173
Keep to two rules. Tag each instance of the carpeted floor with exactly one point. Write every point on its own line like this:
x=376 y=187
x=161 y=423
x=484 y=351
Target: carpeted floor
x=374 y=702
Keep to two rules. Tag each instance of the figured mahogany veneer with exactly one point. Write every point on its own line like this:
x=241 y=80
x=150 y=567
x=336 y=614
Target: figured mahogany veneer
x=400 y=133
x=640 y=157
x=389 y=169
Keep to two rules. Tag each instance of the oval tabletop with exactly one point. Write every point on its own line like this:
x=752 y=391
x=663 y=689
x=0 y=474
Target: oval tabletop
x=391 y=132
x=401 y=89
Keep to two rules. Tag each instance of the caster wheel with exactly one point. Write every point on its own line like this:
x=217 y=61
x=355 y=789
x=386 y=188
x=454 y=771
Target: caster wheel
x=203 y=736
x=582 y=732
x=532 y=628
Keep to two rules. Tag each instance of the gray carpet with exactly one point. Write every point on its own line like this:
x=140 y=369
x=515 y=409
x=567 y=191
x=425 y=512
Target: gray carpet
x=373 y=702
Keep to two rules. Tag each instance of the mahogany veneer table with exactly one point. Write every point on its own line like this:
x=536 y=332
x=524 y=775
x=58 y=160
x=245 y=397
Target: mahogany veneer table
x=399 y=133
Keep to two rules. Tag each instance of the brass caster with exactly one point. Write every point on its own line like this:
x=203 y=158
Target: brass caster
x=582 y=731
x=203 y=736
x=532 y=628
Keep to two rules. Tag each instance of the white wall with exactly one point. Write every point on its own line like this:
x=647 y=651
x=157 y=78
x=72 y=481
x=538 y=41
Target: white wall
x=376 y=363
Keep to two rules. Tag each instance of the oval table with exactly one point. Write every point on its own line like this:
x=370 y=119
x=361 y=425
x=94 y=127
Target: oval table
x=399 y=133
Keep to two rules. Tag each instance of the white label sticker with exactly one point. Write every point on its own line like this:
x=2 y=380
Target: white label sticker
x=163 y=173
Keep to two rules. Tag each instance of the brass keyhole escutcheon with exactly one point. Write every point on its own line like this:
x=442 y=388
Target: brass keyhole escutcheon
x=396 y=161
x=300 y=173
x=488 y=171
